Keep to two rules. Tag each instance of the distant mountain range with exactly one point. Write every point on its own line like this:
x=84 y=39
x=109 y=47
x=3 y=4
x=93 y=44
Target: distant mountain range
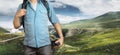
x=108 y=20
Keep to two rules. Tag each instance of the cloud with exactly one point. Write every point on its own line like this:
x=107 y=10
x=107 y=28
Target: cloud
x=90 y=8
x=7 y=24
x=67 y=19
x=8 y=7
x=94 y=7
x=6 y=21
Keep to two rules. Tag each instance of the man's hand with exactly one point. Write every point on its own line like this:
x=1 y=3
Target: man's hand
x=60 y=41
x=20 y=13
x=59 y=31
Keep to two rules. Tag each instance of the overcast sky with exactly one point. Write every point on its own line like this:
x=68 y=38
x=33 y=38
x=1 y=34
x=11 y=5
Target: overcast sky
x=91 y=8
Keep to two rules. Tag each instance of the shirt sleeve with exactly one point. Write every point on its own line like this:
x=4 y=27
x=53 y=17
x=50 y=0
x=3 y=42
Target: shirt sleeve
x=53 y=18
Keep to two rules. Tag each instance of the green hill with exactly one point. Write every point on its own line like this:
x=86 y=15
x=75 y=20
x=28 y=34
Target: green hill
x=108 y=20
x=106 y=42
x=107 y=17
x=2 y=30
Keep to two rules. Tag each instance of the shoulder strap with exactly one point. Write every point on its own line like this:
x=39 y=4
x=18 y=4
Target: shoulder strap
x=45 y=3
x=24 y=6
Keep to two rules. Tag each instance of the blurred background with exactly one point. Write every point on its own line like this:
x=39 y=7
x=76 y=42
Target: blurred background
x=90 y=27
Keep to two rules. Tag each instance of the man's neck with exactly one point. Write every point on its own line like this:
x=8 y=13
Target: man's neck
x=33 y=1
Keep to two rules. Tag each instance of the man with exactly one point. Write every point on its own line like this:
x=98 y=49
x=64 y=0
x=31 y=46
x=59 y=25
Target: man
x=36 y=40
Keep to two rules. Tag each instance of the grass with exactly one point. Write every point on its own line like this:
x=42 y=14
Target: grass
x=6 y=36
x=106 y=42
x=14 y=47
x=102 y=43
x=2 y=30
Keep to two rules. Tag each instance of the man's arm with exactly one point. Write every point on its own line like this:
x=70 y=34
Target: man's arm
x=17 y=18
x=16 y=22
x=55 y=22
x=59 y=31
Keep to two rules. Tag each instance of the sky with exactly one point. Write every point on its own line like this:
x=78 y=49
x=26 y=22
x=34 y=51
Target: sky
x=95 y=7
x=89 y=8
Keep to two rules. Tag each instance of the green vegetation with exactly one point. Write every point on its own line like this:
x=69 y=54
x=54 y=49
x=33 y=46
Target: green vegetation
x=2 y=30
x=108 y=20
x=102 y=43
x=14 y=47
x=6 y=36
x=105 y=42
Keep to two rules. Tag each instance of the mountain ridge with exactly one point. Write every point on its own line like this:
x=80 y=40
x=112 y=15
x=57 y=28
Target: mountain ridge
x=107 y=20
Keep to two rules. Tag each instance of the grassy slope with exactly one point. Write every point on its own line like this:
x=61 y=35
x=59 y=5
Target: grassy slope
x=111 y=18
x=7 y=36
x=105 y=42
x=2 y=30
x=12 y=48
x=102 y=43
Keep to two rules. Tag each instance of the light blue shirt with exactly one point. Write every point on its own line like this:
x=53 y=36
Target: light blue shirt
x=36 y=25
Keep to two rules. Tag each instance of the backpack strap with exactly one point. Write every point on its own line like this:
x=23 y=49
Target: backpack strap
x=24 y=6
x=45 y=3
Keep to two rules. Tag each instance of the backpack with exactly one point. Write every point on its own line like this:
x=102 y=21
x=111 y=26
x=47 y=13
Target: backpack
x=45 y=3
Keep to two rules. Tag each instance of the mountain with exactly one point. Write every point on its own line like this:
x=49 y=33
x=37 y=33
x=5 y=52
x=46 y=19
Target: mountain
x=103 y=39
x=103 y=43
x=2 y=30
x=108 y=20
x=108 y=17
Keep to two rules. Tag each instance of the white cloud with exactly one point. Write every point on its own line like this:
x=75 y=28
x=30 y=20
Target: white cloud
x=8 y=7
x=66 y=19
x=94 y=7
x=8 y=24
x=89 y=7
